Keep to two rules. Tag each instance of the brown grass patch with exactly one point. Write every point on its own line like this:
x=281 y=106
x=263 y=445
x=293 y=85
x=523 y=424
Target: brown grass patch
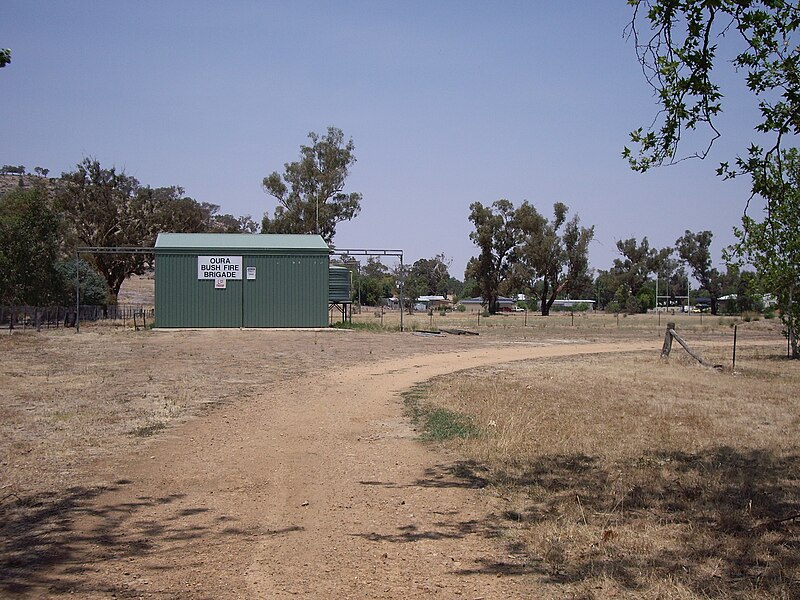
x=626 y=476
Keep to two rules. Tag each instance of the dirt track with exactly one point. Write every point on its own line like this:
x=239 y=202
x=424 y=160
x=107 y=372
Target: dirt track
x=318 y=490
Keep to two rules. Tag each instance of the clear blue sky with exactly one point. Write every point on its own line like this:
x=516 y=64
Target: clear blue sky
x=447 y=102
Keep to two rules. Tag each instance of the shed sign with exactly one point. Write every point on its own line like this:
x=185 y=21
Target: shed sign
x=219 y=267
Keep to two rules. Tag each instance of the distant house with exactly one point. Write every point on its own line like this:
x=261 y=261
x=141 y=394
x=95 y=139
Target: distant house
x=433 y=302
x=478 y=304
x=568 y=304
x=422 y=303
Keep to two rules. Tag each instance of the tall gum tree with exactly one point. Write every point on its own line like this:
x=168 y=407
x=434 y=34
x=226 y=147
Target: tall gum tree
x=310 y=193
x=30 y=243
x=555 y=252
x=695 y=250
x=106 y=208
x=495 y=235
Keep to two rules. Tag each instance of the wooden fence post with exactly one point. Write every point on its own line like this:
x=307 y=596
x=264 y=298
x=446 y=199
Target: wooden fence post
x=667 y=347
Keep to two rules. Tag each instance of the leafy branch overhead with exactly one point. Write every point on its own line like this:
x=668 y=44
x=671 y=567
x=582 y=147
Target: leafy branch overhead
x=5 y=57
x=680 y=42
x=310 y=193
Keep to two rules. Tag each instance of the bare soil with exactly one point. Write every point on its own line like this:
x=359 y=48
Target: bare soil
x=246 y=464
x=251 y=464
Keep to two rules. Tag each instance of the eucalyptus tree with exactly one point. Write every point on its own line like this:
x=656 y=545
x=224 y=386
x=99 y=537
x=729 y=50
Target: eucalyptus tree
x=495 y=235
x=637 y=263
x=310 y=193
x=695 y=250
x=555 y=252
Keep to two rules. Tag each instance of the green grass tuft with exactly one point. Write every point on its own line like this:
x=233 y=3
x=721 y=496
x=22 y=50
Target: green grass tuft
x=441 y=424
x=437 y=424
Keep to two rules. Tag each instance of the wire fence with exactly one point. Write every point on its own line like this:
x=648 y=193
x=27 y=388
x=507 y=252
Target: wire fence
x=53 y=317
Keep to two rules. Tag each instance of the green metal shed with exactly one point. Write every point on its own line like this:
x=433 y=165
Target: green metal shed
x=241 y=280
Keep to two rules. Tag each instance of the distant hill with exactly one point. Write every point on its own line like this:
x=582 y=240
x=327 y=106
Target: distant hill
x=9 y=183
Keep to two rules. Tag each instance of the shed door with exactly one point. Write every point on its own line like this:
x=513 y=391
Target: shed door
x=288 y=291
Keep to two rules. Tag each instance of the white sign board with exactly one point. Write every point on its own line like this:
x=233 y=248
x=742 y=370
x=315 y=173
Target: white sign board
x=220 y=283
x=219 y=267
x=251 y=273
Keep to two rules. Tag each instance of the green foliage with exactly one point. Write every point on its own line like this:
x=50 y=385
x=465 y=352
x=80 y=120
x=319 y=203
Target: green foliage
x=633 y=305
x=605 y=284
x=12 y=170
x=748 y=294
x=470 y=289
x=687 y=39
x=94 y=288
x=639 y=261
x=229 y=223
x=679 y=54
x=495 y=235
x=455 y=287
x=107 y=208
x=310 y=192
x=436 y=423
x=5 y=57
x=556 y=252
x=431 y=275
x=441 y=424
x=30 y=237
x=772 y=246
x=694 y=249
x=520 y=246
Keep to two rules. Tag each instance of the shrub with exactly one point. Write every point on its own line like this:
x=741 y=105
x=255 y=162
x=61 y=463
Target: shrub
x=633 y=305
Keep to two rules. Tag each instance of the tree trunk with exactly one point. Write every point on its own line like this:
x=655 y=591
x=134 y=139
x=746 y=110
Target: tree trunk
x=545 y=304
x=492 y=308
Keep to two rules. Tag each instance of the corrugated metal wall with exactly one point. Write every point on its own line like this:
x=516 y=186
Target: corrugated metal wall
x=183 y=301
x=288 y=291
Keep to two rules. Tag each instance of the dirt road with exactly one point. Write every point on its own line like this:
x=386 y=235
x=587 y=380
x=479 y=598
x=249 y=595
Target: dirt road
x=316 y=489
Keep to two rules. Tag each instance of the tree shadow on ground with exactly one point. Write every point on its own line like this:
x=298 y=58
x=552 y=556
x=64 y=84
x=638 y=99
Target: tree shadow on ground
x=44 y=549
x=738 y=510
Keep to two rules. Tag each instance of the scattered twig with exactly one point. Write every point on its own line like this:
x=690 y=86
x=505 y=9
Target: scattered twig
x=459 y=332
x=774 y=522
x=580 y=506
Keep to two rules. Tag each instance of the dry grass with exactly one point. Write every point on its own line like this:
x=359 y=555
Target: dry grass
x=618 y=475
x=585 y=325
x=626 y=476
